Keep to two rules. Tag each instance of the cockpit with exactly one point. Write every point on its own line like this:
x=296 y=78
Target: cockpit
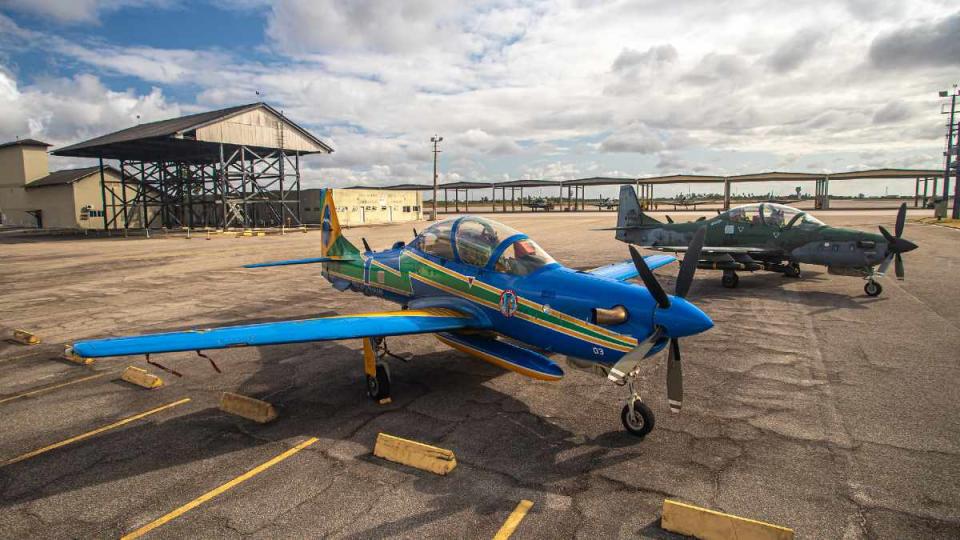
x=484 y=243
x=771 y=214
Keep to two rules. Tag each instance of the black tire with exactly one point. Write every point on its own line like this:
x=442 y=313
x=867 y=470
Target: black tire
x=379 y=387
x=642 y=421
x=792 y=271
x=872 y=288
x=730 y=280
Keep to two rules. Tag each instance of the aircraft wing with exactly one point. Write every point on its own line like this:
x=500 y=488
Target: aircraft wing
x=627 y=270
x=387 y=323
x=710 y=249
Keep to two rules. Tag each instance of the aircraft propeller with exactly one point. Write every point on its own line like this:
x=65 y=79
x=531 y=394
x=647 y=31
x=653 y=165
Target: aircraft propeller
x=895 y=244
x=684 y=280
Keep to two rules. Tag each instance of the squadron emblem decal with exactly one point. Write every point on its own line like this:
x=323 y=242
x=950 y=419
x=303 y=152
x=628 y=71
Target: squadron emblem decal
x=508 y=303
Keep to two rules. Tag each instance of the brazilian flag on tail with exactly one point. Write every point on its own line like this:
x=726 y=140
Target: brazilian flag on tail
x=334 y=244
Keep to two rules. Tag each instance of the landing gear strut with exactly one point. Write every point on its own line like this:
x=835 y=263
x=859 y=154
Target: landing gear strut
x=375 y=352
x=872 y=288
x=730 y=279
x=636 y=416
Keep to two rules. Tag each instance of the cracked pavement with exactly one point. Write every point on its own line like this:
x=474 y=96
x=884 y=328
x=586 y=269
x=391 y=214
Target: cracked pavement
x=808 y=405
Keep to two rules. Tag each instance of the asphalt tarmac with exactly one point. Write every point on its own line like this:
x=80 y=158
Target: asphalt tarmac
x=809 y=405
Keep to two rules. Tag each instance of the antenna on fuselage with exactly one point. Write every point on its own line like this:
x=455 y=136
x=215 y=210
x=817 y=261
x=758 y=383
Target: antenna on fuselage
x=366 y=246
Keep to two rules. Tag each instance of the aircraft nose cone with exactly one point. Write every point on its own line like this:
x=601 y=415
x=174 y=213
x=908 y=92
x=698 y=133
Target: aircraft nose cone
x=683 y=318
x=903 y=246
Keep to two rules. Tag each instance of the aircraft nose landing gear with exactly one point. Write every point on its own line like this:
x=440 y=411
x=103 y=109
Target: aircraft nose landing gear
x=636 y=416
x=872 y=288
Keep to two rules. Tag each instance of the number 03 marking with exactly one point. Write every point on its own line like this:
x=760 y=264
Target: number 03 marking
x=597 y=351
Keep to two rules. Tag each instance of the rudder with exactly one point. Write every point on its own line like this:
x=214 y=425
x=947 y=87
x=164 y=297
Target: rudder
x=629 y=213
x=333 y=242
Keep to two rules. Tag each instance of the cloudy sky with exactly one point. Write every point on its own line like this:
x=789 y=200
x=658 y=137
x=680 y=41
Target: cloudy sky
x=518 y=89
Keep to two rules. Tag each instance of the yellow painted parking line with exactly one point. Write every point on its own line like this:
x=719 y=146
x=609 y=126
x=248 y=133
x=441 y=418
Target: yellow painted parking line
x=53 y=387
x=215 y=492
x=97 y=431
x=514 y=520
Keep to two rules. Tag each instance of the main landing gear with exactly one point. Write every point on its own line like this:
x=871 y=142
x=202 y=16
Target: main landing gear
x=792 y=270
x=730 y=279
x=636 y=416
x=375 y=366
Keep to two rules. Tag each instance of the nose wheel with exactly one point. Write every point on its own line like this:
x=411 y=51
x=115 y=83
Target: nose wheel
x=636 y=416
x=872 y=288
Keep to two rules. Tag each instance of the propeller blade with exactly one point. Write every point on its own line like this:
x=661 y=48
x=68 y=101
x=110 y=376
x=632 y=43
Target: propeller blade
x=885 y=265
x=898 y=266
x=366 y=246
x=669 y=219
x=689 y=265
x=901 y=219
x=630 y=360
x=674 y=377
x=649 y=280
x=891 y=239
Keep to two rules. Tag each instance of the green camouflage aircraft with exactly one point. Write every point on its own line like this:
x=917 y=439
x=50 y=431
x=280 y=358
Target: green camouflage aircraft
x=771 y=237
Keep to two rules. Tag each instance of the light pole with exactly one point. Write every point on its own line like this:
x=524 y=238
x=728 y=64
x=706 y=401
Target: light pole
x=436 y=141
x=951 y=150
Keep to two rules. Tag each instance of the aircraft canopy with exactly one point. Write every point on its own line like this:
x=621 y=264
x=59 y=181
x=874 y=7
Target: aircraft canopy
x=484 y=243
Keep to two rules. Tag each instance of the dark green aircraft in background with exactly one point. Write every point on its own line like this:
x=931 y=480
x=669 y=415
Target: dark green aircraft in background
x=771 y=237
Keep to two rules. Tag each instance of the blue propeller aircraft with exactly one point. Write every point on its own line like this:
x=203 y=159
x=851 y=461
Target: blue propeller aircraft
x=489 y=291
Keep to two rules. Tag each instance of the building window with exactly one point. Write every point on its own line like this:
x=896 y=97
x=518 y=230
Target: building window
x=406 y=208
x=416 y=208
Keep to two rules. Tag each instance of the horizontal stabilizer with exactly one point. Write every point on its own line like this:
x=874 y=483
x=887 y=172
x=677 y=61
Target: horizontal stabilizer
x=313 y=260
x=505 y=355
x=627 y=270
x=387 y=323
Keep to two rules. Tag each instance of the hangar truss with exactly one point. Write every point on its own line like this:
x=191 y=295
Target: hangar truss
x=234 y=167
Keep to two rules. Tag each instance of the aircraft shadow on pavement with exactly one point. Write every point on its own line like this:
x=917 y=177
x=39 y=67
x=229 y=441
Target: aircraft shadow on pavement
x=774 y=287
x=440 y=397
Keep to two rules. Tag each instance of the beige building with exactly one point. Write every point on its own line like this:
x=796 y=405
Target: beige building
x=365 y=206
x=32 y=196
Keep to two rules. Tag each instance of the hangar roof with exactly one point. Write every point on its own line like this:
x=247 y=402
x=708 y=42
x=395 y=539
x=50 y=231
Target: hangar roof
x=887 y=173
x=409 y=187
x=598 y=181
x=680 y=178
x=67 y=176
x=464 y=185
x=526 y=183
x=197 y=137
x=25 y=142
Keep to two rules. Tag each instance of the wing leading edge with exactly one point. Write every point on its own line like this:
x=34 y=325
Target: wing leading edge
x=388 y=323
x=627 y=270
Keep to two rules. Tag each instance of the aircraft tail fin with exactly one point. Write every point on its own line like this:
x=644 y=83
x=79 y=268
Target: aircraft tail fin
x=629 y=214
x=334 y=244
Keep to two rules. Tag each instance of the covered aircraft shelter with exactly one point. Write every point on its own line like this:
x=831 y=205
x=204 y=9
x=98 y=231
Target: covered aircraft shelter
x=233 y=167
